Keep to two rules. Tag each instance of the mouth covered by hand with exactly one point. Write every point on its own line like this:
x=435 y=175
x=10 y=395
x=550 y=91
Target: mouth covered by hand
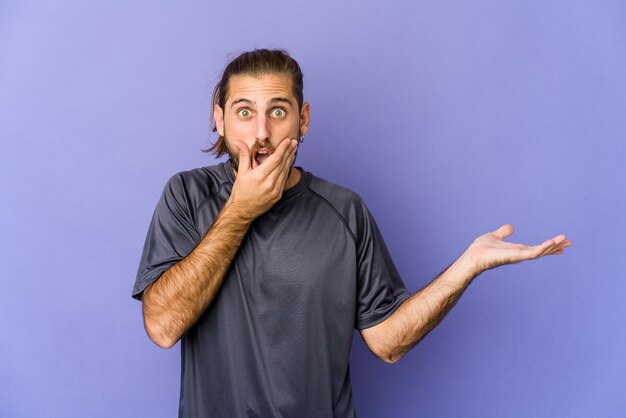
x=257 y=154
x=260 y=153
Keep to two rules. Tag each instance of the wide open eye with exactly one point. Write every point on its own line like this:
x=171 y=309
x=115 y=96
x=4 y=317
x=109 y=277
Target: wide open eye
x=244 y=113
x=279 y=113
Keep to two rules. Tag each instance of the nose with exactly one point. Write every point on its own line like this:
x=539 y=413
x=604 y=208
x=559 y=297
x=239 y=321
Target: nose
x=262 y=129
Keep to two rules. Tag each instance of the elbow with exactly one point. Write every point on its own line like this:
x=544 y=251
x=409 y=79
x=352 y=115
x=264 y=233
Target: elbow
x=165 y=344
x=156 y=330
x=162 y=341
x=158 y=337
x=390 y=358
x=387 y=354
x=382 y=343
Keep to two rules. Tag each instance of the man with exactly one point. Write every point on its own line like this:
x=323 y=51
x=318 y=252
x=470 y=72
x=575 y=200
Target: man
x=262 y=270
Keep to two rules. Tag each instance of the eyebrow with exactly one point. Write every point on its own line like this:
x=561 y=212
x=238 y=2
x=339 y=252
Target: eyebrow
x=280 y=99
x=272 y=101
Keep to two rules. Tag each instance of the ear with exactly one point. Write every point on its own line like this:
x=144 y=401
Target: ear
x=305 y=118
x=218 y=116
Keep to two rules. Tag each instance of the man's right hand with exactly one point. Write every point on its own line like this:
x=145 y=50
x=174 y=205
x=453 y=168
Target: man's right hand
x=256 y=190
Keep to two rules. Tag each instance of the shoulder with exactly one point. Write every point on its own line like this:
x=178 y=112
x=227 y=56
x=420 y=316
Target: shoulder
x=339 y=196
x=347 y=203
x=195 y=186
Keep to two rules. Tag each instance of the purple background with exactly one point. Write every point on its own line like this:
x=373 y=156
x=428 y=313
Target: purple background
x=450 y=118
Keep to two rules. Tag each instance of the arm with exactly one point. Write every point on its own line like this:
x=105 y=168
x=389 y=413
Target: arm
x=419 y=314
x=175 y=301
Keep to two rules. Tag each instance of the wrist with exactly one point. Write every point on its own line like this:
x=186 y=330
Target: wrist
x=465 y=268
x=238 y=211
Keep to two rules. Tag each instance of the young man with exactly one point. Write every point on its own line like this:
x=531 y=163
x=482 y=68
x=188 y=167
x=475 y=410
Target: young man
x=262 y=270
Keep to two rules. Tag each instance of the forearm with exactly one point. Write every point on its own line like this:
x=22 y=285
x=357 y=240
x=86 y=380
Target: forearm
x=423 y=311
x=174 y=302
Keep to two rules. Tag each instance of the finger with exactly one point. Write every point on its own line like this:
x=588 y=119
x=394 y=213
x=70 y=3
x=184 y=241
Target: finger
x=556 y=252
x=289 y=151
x=547 y=247
x=563 y=247
x=285 y=154
x=504 y=231
x=282 y=178
x=245 y=158
x=559 y=238
x=274 y=161
x=283 y=175
x=557 y=243
x=564 y=244
x=539 y=250
x=290 y=154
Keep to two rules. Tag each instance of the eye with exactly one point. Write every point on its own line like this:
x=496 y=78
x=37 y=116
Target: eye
x=244 y=113
x=279 y=113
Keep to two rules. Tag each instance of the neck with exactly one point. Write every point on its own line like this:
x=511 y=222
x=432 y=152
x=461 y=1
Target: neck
x=293 y=179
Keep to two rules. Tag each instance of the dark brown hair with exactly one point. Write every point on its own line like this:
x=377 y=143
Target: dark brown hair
x=257 y=62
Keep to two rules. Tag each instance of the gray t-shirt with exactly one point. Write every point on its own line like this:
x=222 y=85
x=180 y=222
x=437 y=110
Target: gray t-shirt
x=275 y=341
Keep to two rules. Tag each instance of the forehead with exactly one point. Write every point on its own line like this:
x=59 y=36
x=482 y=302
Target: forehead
x=261 y=88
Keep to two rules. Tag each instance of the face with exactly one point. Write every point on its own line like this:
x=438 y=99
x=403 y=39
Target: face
x=260 y=111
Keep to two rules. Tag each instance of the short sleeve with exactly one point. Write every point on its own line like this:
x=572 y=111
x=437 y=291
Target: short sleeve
x=380 y=289
x=171 y=235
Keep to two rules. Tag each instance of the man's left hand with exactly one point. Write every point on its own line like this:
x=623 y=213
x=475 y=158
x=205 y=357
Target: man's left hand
x=489 y=250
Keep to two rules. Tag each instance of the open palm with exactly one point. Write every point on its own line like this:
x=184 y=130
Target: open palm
x=489 y=250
